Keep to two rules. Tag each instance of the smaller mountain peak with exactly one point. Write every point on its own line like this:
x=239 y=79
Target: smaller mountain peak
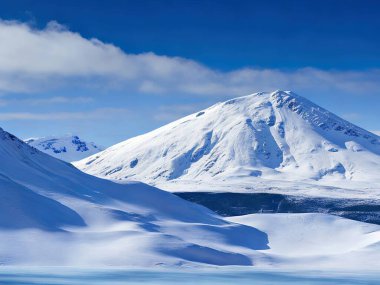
x=68 y=147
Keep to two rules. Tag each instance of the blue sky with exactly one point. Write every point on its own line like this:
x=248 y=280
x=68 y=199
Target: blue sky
x=109 y=70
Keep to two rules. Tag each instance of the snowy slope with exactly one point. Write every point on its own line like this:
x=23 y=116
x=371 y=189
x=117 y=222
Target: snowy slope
x=53 y=214
x=277 y=136
x=68 y=148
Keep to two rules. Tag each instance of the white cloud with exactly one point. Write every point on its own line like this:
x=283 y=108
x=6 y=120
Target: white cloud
x=58 y=100
x=32 y=60
x=376 y=132
x=47 y=101
x=93 y=114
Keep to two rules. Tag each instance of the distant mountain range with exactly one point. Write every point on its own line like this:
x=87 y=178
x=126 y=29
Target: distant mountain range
x=68 y=148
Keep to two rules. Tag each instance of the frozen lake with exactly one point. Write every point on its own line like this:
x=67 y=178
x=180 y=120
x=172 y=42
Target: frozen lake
x=71 y=276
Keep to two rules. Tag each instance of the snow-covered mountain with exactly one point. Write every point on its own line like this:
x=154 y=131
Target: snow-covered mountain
x=68 y=148
x=276 y=136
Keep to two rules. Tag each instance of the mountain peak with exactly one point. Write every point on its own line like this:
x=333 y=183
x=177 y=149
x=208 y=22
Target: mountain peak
x=278 y=95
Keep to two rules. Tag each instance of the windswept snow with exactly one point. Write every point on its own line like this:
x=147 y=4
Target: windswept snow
x=268 y=139
x=68 y=148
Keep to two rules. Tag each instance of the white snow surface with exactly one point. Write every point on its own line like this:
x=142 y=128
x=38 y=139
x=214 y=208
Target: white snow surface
x=317 y=240
x=53 y=214
x=274 y=142
x=68 y=148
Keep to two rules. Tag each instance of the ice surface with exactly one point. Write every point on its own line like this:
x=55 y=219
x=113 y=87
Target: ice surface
x=102 y=276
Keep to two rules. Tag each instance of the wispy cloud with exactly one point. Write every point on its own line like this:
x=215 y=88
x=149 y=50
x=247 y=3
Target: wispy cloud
x=58 y=100
x=47 y=101
x=33 y=60
x=93 y=114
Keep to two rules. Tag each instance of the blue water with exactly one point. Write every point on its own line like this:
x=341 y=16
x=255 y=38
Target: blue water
x=71 y=276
